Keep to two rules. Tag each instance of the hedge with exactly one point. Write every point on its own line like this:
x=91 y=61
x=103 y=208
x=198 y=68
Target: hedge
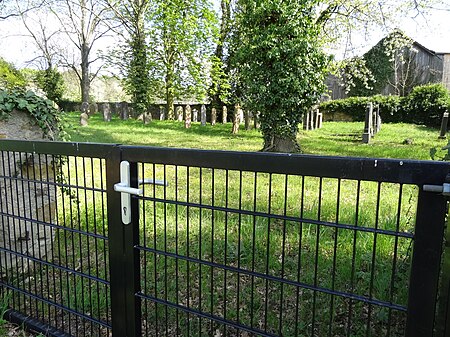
x=424 y=105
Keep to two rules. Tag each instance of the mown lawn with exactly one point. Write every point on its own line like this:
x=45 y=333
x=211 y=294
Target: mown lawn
x=335 y=138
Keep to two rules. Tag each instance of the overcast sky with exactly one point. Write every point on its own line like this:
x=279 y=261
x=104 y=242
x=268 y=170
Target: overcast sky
x=432 y=31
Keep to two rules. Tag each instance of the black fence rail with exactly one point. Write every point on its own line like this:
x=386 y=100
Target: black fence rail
x=221 y=243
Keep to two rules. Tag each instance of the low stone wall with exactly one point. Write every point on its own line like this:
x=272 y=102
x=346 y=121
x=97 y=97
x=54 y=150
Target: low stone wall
x=21 y=199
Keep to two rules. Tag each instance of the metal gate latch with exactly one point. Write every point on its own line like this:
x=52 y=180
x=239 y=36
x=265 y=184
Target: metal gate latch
x=126 y=191
x=444 y=189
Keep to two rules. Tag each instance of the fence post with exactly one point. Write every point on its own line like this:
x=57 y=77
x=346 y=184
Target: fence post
x=123 y=257
x=426 y=263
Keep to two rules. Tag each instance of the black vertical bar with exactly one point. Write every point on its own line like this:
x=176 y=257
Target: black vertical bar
x=123 y=256
x=425 y=267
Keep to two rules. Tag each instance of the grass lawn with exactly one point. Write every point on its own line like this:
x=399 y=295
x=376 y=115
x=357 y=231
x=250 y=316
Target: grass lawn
x=295 y=229
x=335 y=138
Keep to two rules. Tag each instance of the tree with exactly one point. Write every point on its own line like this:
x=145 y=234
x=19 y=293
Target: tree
x=83 y=23
x=131 y=15
x=281 y=66
x=180 y=45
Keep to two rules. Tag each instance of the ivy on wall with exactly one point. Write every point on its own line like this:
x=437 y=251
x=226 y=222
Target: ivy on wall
x=47 y=116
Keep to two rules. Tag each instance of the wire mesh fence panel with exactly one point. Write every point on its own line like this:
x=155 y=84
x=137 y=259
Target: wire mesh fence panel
x=54 y=252
x=239 y=253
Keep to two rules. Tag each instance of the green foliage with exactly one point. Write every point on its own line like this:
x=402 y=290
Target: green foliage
x=427 y=103
x=391 y=107
x=52 y=83
x=10 y=77
x=46 y=115
x=424 y=106
x=280 y=63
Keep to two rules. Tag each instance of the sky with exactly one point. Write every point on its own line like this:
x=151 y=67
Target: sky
x=432 y=31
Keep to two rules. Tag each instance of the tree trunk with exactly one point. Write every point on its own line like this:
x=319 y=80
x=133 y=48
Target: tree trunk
x=170 y=96
x=85 y=80
x=277 y=143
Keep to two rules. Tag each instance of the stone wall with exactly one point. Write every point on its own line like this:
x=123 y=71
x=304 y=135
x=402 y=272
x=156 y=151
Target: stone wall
x=22 y=199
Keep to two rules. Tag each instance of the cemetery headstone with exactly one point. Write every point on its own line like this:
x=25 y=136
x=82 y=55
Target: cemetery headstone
x=213 y=116
x=368 y=124
x=179 y=113
x=256 y=120
x=194 y=115
x=187 y=119
x=93 y=108
x=203 y=114
x=224 y=114
x=124 y=111
x=106 y=112
x=162 y=113
x=85 y=108
x=444 y=125
x=84 y=119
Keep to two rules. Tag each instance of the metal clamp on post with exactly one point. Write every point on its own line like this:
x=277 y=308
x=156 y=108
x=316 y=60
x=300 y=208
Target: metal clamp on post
x=444 y=189
x=126 y=191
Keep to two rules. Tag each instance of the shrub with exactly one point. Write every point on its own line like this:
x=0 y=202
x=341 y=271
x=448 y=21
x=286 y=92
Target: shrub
x=10 y=77
x=426 y=104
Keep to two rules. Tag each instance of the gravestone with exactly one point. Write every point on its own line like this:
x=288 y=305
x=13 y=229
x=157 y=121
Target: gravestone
x=85 y=108
x=319 y=119
x=256 y=120
x=124 y=110
x=236 y=119
x=162 y=113
x=368 y=127
x=31 y=238
x=224 y=114
x=187 y=119
x=84 y=119
x=306 y=122
x=203 y=114
x=194 y=115
x=179 y=113
x=93 y=108
x=213 y=116
x=106 y=112
x=444 y=124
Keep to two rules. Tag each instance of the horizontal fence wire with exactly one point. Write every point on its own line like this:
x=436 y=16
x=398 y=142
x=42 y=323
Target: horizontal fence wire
x=237 y=253
x=54 y=244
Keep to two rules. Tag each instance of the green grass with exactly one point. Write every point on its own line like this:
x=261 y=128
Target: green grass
x=335 y=138
x=344 y=257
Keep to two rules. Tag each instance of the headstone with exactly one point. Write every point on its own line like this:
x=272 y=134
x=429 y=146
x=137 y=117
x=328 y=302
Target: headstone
x=93 y=108
x=179 y=113
x=162 y=113
x=124 y=111
x=256 y=120
x=85 y=108
x=203 y=114
x=187 y=120
x=444 y=124
x=106 y=112
x=213 y=116
x=84 y=119
x=224 y=114
x=306 y=122
x=319 y=119
x=312 y=118
x=194 y=115
x=368 y=124
x=236 y=119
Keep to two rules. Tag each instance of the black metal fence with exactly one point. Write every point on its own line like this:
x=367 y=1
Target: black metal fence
x=220 y=243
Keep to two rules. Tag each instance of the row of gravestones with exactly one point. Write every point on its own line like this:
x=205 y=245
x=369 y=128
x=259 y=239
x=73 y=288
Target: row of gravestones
x=313 y=119
x=372 y=123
